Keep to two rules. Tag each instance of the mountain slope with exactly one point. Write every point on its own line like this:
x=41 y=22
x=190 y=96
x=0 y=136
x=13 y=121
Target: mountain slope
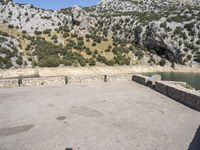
x=115 y=32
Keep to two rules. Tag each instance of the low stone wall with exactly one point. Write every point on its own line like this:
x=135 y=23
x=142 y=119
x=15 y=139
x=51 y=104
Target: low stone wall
x=70 y=79
x=99 y=78
x=140 y=79
x=172 y=89
x=188 y=97
x=119 y=77
x=9 y=83
x=53 y=81
x=85 y=79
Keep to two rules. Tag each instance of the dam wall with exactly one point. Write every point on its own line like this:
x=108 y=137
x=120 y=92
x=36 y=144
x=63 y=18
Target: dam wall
x=172 y=89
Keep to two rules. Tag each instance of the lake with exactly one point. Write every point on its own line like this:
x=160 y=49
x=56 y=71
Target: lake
x=192 y=79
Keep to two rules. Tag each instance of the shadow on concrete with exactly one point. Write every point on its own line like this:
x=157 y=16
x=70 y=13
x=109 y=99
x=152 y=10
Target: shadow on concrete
x=195 y=144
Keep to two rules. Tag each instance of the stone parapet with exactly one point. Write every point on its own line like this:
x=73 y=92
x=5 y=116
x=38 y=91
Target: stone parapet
x=53 y=81
x=85 y=79
x=119 y=77
x=9 y=82
x=140 y=79
x=190 y=98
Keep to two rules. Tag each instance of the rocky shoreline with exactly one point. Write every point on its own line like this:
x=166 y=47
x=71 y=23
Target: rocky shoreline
x=65 y=71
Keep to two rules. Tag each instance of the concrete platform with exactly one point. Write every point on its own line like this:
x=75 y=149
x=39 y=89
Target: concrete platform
x=104 y=116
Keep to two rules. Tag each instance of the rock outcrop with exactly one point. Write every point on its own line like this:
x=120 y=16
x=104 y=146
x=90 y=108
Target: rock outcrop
x=81 y=21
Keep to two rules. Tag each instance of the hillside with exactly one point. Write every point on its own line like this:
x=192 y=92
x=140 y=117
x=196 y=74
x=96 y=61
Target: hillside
x=115 y=32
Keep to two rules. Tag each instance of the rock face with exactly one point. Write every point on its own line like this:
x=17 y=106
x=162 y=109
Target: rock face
x=168 y=28
x=9 y=52
x=105 y=2
x=81 y=21
x=29 y=18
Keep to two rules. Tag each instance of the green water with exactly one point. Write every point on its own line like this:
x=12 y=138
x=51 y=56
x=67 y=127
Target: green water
x=192 y=79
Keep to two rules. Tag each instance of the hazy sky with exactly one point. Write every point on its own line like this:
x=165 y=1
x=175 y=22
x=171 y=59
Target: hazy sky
x=57 y=4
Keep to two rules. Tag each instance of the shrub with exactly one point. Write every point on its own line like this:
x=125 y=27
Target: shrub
x=189 y=57
x=47 y=31
x=92 y=62
x=4 y=34
x=10 y=26
x=139 y=54
x=10 y=13
x=24 y=32
x=110 y=62
x=94 y=44
x=65 y=35
x=162 y=62
x=73 y=35
x=68 y=62
x=2 y=39
x=127 y=61
x=88 y=51
x=105 y=39
x=50 y=61
x=26 y=14
x=163 y=25
x=197 y=57
x=97 y=39
x=82 y=62
x=80 y=38
x=19 y=60
x=88 y=36
x=105 y=33
x=37 y=32
x=80 y=42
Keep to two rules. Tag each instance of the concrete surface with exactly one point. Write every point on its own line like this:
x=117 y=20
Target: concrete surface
x=105 y=116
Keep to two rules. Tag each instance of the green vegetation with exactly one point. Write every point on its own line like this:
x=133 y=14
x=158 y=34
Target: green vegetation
x=162 y=62
x=5 y=62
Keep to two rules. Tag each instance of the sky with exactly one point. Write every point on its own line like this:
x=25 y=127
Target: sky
x=57 y=4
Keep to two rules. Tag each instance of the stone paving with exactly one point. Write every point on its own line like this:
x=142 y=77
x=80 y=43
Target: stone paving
x=111 y=116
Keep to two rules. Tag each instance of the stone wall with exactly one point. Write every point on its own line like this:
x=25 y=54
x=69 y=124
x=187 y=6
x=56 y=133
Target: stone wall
x=119 y=77
x=140 y=79
x=9 y=83
x=53 y=81
x=172 y=89
x=85 y=79
x=71 y=79
x=188 y=97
